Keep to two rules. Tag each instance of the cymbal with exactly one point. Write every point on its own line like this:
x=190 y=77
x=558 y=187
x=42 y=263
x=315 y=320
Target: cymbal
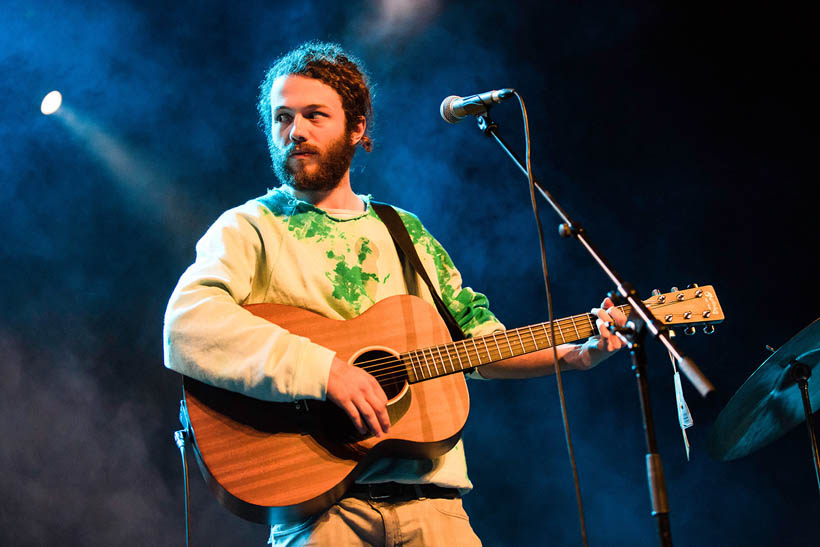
x=769 y=403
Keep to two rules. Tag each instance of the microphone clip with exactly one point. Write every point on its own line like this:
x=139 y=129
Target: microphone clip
x=485 y=123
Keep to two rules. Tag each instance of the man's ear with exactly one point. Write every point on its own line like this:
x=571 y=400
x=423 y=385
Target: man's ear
x=358 y=131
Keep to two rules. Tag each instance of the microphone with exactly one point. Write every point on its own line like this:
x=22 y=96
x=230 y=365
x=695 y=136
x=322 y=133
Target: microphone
x=454 y=108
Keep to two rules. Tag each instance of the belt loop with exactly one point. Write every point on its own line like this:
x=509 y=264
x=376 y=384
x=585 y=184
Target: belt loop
x=419 y=492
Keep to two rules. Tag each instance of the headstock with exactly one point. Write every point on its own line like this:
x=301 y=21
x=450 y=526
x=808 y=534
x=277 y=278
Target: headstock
x=692 y=306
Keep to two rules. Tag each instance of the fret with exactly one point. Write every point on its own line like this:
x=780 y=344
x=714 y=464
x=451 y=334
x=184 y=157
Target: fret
x=500 y=355
x=460 y=365
x=560 y=331
x=449 y=358
x=520 y=341
x=592 y=326
x=438 y=349
x=413 y=366
x=467 y=353
x=547 y=334
x=429 y=372
x=507 y=338
x=447 y=348
x=534 y=340
x=489 y=354
x=578 y=334
x=458 y=354
x=477 y=352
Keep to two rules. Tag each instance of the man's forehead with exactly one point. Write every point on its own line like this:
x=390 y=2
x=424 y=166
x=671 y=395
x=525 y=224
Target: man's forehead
x=295 y=91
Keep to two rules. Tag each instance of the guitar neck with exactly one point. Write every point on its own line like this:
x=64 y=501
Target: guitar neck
x=426 y=363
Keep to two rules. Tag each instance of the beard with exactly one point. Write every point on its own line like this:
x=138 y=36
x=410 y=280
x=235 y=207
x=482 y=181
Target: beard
x=332 y=164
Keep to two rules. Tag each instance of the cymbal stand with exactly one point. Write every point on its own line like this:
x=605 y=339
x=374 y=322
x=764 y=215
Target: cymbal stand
x=801 y=374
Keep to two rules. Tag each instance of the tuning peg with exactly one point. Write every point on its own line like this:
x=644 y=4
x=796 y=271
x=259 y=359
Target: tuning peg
x=661 y=297
x=708 y=329
x=689 y=331
x=673 y=289
x=692 y=286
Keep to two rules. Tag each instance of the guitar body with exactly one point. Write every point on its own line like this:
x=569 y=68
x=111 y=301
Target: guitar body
x=278 y=462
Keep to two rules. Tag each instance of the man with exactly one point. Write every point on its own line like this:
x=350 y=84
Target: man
x=315 y=244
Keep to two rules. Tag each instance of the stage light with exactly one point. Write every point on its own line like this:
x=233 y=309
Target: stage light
x=51 y=103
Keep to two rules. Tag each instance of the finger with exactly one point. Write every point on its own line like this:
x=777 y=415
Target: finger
x=378 y=403
x=617 y=314
x=377 y=390
x=384 y=419
x=613 y=343
x=353 y=412
x=603 y=320
x=369 y=415
x=608 y=340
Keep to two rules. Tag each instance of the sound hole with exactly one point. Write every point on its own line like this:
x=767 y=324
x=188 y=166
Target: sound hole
x=386 y=367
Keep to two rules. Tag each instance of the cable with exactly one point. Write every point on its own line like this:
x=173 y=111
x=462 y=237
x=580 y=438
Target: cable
x=181 y=437
x=547 y=288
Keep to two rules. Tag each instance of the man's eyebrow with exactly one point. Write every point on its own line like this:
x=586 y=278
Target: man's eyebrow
x=314 y=106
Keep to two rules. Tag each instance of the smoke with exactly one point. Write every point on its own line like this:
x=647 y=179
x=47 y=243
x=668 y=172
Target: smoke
x=75 y=454
x=646 y=126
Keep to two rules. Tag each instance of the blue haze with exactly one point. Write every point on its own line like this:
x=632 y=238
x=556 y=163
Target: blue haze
x=676 y=135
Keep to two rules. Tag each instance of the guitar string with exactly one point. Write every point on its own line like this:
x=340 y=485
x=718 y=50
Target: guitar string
x=465 y=352
x=398 y=375
x=462 y=353
x=461 y=350
x=400 y=369
x=532 y=342
x=374 y=363
x=398 y=379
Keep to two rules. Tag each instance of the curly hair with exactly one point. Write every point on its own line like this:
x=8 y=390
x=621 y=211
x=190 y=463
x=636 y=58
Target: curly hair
x=331 y=65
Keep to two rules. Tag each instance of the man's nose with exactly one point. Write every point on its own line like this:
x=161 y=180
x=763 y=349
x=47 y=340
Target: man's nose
x=297 y=129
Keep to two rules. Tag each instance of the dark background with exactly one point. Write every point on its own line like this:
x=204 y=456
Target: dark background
x=677 y=135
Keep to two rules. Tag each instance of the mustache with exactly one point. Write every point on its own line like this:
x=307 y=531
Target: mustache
x=301 y=149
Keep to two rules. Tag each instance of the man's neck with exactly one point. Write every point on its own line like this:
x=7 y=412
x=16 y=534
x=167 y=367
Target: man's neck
x=340 y=197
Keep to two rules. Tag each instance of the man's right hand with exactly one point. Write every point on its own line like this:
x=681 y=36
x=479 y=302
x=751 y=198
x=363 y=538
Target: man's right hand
x=360 y=396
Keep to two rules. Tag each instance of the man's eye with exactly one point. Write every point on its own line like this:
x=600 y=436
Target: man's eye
x=314 y=115
x=282 y=118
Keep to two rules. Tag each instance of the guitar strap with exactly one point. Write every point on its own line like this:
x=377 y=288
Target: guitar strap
x=404 y=246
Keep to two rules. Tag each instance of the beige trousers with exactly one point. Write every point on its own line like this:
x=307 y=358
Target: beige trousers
x=355 y=522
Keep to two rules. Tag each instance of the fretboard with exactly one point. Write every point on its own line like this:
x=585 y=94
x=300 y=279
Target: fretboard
x=426 y=363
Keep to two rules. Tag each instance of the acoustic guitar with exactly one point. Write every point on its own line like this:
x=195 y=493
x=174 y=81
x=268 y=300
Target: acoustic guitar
x=280 y=462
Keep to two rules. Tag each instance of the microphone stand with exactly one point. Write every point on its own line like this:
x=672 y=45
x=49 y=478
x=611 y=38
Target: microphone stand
x=641 y=321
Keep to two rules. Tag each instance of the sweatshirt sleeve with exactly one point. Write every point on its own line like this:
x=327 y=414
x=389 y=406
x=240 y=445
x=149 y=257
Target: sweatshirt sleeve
x=470 y=308
x=208 y=336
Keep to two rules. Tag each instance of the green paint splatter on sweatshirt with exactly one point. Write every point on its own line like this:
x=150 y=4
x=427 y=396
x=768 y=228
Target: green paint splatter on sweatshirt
x=351 y=267
x=351 y=282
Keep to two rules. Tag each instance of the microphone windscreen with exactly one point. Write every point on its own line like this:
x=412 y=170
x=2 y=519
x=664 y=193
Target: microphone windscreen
x=446 y=109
